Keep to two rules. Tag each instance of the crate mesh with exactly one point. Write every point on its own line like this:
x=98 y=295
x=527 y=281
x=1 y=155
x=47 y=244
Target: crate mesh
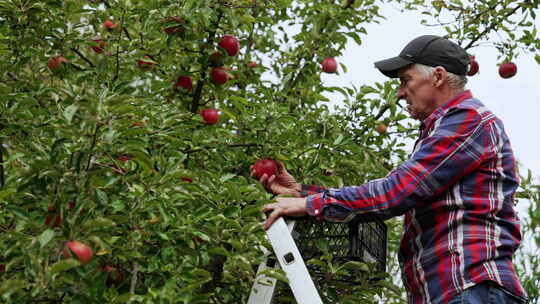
x=355 y=241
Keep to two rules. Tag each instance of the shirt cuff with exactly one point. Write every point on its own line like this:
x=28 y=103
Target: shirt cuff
x=307 y=190
x=314 y=205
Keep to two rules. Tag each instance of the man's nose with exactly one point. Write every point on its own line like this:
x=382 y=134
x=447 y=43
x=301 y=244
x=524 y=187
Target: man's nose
x=400 y=93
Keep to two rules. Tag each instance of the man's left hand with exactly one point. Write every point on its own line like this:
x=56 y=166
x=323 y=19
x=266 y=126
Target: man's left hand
x=290 y=206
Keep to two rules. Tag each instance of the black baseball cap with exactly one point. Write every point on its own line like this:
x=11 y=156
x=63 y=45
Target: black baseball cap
x=430 y=50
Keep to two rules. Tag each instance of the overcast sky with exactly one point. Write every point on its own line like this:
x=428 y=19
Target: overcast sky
x=516 y=100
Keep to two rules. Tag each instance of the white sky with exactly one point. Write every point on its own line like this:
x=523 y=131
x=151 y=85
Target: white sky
x=516 y=100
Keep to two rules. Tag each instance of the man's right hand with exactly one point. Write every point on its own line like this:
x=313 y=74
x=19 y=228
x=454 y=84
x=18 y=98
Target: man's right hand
x=282 y=183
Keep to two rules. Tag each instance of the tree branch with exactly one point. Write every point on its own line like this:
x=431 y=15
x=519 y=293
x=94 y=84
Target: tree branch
x=134 y=275
x=1 y=168
x=200 y=84
x=118 y=46
x=490 y=28
x=83 y=57
x=94 y=141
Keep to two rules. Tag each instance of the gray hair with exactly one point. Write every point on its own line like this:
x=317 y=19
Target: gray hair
x=455 y=81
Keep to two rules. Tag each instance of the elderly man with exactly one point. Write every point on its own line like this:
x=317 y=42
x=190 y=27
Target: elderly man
x=456 y=190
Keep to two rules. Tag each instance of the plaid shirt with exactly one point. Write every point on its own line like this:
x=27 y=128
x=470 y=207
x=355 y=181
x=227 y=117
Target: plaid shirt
x=457 y=194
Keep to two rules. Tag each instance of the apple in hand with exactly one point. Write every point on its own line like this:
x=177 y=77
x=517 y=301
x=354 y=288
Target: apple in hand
x=184 y=82
x=230 y=44
x=56 y=62
x=265 y=165
x=219 y=75
x=329 y=65
x=210 y=116
x=473 y=66
x=82 y=252
x=507 y=69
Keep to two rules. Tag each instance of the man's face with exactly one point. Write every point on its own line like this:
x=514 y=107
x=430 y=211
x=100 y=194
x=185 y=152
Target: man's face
x=418 y=91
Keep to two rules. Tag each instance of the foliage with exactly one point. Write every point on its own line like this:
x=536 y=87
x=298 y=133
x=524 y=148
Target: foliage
x=120 y=154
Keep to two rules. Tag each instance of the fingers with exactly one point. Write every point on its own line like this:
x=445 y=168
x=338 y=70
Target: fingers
x=273 y=213
x=271 y=219
x=268 y=207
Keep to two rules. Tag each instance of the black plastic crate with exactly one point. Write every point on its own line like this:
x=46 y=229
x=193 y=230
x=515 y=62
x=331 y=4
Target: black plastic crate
x=354 y=241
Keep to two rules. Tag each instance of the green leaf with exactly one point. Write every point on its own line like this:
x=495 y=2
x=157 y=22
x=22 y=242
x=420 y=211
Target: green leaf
x=226 y=177
x=355 y=265
x=70 y=111
x=201 y=235
x=45 y=237
x=63 y=265
x=338 y=140
x=7 y=192
x=99 y=222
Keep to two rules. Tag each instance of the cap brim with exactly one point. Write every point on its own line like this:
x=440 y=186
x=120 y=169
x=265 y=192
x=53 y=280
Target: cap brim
x=390 y=67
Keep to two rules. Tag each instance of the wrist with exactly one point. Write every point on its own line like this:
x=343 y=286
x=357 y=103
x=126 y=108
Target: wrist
x=297 y=190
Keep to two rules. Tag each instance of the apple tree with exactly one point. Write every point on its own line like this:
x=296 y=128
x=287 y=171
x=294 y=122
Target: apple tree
x=128 y=129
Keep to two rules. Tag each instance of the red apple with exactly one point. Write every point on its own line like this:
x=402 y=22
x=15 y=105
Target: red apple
x=115 y=276
x=252 y=64
x=381 y=129
x=82 y=252
x=100 y=45
x=108 y=24
x=210 y=116
x=473 y=66
x=507 y=69
x=329 y=65
x=184 y=82
x=56 y=62
x=219 y=75
x=53 y=224
x=145 y=65
x=230 y=44
x=265 y=165
x=215 y=59
x=123 y=158
x=175 y=19
x=174 y=29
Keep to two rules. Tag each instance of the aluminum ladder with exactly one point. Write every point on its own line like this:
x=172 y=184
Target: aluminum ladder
x=290 y=260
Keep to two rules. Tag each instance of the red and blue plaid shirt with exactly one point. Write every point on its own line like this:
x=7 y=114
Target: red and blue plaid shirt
x=457 y=194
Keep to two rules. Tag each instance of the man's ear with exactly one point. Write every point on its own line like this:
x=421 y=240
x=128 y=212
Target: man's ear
x=441 y=75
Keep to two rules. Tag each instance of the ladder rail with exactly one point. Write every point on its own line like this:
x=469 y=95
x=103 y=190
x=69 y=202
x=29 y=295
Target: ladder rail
x=290 y=260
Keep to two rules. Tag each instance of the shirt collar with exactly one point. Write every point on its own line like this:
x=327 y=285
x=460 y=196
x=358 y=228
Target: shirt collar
x=426 y=123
